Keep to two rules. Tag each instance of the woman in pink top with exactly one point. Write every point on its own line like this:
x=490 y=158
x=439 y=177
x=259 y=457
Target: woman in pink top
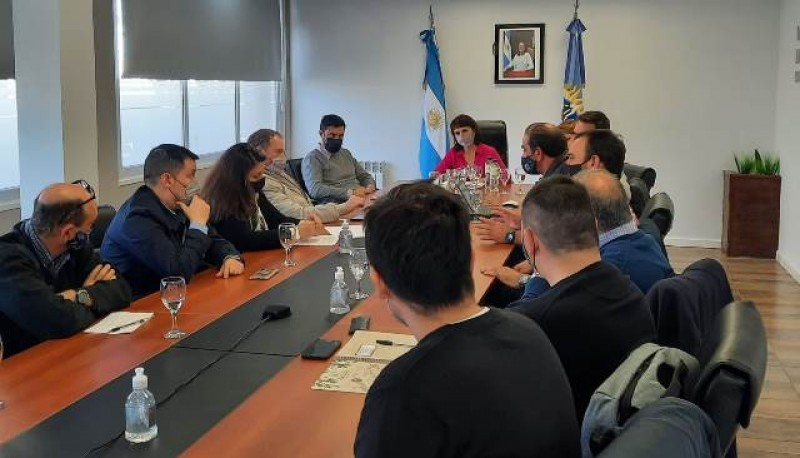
x=467 y=147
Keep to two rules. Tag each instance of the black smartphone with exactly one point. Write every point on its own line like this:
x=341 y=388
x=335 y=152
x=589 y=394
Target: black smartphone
x=321 y=349
x=359 y=323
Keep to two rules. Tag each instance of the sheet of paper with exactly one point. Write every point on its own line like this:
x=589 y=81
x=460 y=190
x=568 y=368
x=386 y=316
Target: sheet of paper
x=330 y=240
x=120 y=320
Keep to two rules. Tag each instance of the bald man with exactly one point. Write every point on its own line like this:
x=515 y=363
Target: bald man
x=52 y=284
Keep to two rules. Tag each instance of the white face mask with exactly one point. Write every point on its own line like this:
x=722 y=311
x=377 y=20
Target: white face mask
x=278 y=163
x=466 y=140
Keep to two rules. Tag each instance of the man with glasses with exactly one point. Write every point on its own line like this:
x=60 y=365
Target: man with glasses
x=52 y=283
x=162 y=230
x=330 y=172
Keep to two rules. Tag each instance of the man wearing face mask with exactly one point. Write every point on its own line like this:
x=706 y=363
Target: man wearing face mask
x=544 y=149
x=330 y=172
x=285 y=193
x=156 y=234
x=593 y=314
x=52 y=283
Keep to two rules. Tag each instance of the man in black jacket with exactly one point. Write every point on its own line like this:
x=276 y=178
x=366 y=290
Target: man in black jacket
x=155 y=234
x=52 y=284
x=593 y=314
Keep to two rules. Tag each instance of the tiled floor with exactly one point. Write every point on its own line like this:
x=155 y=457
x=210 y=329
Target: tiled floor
x=775 y=427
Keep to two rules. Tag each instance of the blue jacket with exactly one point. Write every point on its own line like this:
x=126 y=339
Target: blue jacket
x=147 y=242
x=637 y=255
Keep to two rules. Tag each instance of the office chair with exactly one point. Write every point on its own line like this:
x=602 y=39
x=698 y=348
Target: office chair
x=493 y=133
x=294 y=169
x=105 y=213
x=661 y=210
x=647 y=174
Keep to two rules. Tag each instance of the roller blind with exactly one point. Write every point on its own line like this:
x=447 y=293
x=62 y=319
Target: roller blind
x=6 y=41
x=202 y=39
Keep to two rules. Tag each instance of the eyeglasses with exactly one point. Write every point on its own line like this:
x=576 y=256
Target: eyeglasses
x=85 y=185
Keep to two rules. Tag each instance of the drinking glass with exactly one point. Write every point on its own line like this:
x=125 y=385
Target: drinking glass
x=519 y=174
x=288 y=235
x=173 y=295
x=358 y=267
x=505 y=177
x=433 y=176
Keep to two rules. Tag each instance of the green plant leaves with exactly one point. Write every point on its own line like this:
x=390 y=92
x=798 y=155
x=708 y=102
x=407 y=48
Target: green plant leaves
x=756 y=164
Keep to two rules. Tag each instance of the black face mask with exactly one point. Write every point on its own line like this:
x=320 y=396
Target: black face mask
x=529 y=165
x=571 y=170
x=80 y=242
x=333 y=145
x=257 y=186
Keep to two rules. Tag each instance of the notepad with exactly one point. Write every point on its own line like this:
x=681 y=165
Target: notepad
x=333 y=237
x=127 y=322
x=360 y=361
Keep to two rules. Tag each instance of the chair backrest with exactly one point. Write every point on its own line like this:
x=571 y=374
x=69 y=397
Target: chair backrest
x=647 y=174
x=685 y=306
x=294 y=167
x=105 y=213
x=640 y=194
x=493 y=133
x=733 y=362
x=667 y=428
x=661 y=210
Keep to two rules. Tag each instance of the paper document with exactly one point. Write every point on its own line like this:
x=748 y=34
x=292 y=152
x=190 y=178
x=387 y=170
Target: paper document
x=120 y=323
x=333 y=237
x=360 y=361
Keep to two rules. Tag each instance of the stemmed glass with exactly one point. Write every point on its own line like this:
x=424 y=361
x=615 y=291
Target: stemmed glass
x=519 y=174
x=358 y=267
x=173 y=295
x=505 y=177
x=288 y=235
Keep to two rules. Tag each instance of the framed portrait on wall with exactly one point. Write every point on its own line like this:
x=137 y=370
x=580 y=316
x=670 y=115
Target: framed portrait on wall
x=519 y=54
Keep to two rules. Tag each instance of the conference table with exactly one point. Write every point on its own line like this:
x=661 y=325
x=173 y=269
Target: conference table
x=217 y=396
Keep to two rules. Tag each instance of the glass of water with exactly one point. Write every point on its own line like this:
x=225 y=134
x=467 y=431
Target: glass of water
x=519 y=174
x=358 y=267
x=173 y=295
x=288 y=235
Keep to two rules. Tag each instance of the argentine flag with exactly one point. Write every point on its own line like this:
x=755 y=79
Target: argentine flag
x=434 y=141
x=506 y=50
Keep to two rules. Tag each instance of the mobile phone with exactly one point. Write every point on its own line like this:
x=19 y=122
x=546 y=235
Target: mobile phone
x=321 y=349
x=359 y=323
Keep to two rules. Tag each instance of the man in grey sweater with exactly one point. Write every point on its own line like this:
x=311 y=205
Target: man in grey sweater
x=330 y=172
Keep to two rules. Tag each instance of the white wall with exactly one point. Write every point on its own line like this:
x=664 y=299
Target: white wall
x=687 y=82
x=787 y=136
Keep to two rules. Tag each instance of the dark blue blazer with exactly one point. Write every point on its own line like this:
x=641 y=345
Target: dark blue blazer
x=638 y=256
x=147 y=242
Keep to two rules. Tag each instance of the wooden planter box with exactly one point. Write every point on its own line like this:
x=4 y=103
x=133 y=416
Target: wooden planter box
x=751 y=215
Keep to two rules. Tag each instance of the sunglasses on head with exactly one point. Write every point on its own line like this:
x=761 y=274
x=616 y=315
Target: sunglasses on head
x=85 y=185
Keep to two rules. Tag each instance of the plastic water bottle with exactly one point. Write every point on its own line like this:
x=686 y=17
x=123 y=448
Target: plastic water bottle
x=339 y=293
x=345 y=238
x=140 y=411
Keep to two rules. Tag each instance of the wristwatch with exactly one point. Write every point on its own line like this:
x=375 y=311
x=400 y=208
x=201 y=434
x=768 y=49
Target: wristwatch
x=511 y=236
x=523 y=280
x=84 y=298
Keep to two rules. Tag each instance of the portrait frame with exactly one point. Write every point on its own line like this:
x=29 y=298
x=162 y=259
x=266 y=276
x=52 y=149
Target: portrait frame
x=511 y=66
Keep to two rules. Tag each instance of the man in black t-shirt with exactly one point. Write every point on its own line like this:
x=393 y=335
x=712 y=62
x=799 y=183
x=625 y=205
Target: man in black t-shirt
x=480 y=382
x=593 y=314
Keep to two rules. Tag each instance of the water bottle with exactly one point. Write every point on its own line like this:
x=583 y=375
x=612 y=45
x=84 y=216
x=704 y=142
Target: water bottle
x=339 y=293
x=140 y=411
x=345 y=238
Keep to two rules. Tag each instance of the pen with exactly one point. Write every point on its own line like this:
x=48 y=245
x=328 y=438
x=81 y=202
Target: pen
x=389 y=343
x=133 y=323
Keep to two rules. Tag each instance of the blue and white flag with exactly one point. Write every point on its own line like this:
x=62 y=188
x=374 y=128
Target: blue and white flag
x=434 y=141
x=574 y=73
x=507 y=54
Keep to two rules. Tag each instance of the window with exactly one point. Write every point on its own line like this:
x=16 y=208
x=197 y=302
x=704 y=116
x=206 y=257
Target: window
x=205 y=116
x=9 y=142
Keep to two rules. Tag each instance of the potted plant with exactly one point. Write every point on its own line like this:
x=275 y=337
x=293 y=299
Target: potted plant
x=752 y=207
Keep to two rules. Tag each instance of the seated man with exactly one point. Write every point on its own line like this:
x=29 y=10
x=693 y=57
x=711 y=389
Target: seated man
x=481 y=382
x=156 y=235
x=52 y=284
x=591 y=120
x=544 y=149
x=330 y=171
x=593 y=314
x=286 y=194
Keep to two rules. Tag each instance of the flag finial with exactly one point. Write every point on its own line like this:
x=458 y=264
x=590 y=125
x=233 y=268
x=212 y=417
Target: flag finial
x=577 y=5
x=430 y=18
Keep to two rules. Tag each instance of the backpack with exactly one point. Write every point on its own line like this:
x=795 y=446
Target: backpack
x=650 y=372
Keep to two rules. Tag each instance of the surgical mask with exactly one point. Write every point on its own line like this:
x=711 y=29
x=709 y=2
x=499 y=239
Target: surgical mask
x=572 y=169
x=333 y=145
x=192 y=189
x=531 y=259
x=80 y=242
x=529 y=165
x=466 y=140
x=278 y=164
x=257 y=186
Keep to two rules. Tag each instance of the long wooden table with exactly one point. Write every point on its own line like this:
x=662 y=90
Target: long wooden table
x=46 y=379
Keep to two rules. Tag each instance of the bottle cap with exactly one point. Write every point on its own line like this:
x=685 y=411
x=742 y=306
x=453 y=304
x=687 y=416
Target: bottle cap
x=139 y=380
x=339 y=275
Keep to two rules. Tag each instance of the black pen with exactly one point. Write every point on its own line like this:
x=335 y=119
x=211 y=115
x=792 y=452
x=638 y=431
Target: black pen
x=389 y=343
x=133 y=323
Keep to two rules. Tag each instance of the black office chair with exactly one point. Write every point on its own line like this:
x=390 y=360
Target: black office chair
x=105 y=213
x=733 y=363
x=647 y=174
x=667 y=428
x=639 y=195
x=685 y=306
x=661 y=210
x=294 y=167
x=493 y=133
